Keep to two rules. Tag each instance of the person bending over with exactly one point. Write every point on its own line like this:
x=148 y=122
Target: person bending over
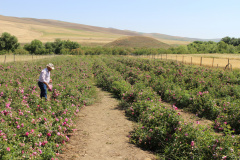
x=44 y=80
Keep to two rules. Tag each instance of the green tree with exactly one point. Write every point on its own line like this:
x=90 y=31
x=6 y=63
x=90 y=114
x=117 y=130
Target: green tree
x=226 y=40
x=222 y=47
x=8 y=42
x=35 y=47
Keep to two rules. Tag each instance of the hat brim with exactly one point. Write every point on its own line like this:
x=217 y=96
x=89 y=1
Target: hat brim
x=50 y=67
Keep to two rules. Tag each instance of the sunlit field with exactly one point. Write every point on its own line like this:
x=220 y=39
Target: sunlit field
x=211 y=60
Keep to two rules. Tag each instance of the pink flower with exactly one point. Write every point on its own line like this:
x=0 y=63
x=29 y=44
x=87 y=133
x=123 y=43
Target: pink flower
x=66 y=119
x=22 y=125
x=174 y=107
x=32 y=130
x=48 y=134
x=8 y=148
x=26 y=133
x=18 y=127
x=40 y=151
x=45 y=119
x=192 y=143
x=57 y=145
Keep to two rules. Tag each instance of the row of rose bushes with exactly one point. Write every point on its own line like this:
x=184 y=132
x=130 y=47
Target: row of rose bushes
x=32 y=128
x=160 y=129
x=213 y=94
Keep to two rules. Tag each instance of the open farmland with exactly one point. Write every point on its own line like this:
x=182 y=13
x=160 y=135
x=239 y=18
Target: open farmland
x=31 y=128
x=151 y=93
x=18 y=58
x=46 y=30
x=210 y=60
x=142 y=84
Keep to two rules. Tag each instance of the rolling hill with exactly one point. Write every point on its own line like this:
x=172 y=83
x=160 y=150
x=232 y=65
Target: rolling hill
x=46 y=30
x=137 y=42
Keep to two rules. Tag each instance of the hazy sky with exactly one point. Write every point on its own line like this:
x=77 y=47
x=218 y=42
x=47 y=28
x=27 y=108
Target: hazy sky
x=187 y=18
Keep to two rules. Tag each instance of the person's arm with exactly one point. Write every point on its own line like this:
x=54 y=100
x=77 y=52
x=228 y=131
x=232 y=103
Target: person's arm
x=46 y=84
x=43 y=77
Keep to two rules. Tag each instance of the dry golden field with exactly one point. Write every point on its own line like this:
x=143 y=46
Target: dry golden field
x=211 y=60
x=18 y=58
x=28 y=32
x=174 y=42
x=28 y=29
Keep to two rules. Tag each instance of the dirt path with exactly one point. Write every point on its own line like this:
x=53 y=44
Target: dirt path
x=102 y=134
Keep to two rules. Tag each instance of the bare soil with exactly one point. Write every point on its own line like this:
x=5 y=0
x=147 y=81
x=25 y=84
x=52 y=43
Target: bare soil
x=102 y=134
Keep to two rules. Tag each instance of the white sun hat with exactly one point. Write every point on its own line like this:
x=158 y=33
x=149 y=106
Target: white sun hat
x=50 y=65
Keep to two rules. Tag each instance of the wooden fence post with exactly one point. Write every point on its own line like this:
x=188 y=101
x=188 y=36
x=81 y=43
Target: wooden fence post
x=166 y=56
x=5 y=59
x=228 y=64
x=183 y=59
x=212 y=61
x=161 y=56
x=191 y=60
x=201 y=62
x=14 y=57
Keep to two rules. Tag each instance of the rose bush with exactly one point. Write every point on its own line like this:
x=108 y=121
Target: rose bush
x=32 y=128
x=161 y=129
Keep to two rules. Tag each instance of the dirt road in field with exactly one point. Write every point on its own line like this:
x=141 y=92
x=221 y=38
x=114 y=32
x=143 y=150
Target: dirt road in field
x=102 y=134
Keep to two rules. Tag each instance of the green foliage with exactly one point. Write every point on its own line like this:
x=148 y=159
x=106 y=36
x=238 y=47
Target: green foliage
x=35 y=47
x=32 y=128
x=208 y=93
x=21 y=52
x=67 y=46
x=8 y=42
x=231 y=41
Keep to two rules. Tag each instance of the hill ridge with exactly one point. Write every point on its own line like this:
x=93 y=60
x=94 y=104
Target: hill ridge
x=137 y=42
x=49 y=30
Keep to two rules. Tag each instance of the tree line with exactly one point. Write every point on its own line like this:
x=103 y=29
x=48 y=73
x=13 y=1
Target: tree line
x=10 y=44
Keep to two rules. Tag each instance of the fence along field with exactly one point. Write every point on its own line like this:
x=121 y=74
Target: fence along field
x=210 y=60
x=18 y=58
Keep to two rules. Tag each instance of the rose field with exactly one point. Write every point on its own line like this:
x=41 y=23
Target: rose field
x=34 y=129
x=31 y=128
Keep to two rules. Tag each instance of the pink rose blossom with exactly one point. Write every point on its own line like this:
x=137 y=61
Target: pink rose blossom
x=192 y=143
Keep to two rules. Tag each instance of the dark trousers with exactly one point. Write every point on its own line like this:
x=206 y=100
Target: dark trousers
x=43 y=88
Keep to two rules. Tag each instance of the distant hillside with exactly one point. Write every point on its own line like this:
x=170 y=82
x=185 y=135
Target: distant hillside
x=137 y=42
x=176 y=38
x=46 y=30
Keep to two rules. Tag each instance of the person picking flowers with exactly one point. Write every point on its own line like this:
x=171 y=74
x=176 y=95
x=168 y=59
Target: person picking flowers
x=44 y=80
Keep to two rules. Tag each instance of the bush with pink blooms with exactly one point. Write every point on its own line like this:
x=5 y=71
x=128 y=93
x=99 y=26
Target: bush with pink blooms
x=30 y=127
x=161 y=129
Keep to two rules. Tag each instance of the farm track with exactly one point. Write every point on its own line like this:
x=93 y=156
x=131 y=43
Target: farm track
x=102 y=134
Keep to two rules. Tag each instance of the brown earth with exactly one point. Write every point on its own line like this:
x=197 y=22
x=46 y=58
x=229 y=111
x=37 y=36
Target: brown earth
x=137 y=42
x=102 y=134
